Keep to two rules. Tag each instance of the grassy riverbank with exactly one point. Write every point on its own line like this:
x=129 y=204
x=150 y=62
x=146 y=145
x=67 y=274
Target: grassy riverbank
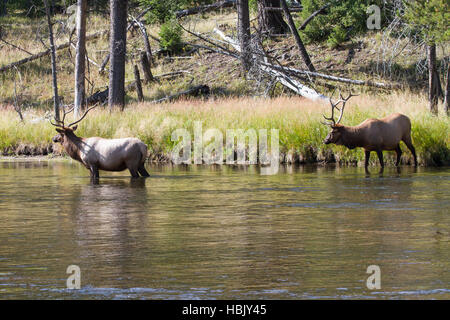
x=297 y=119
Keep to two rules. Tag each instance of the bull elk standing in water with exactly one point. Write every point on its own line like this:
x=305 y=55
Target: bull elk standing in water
x=102 y=154
x=372 y=134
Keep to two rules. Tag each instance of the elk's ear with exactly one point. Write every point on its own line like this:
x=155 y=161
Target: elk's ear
x=74 y=127
x=59 y=130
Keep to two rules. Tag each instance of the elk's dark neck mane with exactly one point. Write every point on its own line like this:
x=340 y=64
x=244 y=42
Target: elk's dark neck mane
x=72 y=145
x=352 y=137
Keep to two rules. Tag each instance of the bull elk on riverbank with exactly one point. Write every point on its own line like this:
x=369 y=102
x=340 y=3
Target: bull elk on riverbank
x=372 y=134
x=102 y=154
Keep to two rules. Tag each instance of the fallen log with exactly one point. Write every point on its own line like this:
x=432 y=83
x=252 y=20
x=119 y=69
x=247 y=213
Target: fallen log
x=98 y=97
x=194 y=91
x=291 y=9
x=47 y=52
x=205 y=8
x=293 y=71
x=132 y=85
x=171 y=74
x=368 y=83
x=292 y=84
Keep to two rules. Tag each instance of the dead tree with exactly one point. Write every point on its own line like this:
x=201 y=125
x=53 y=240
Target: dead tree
x=16 y=99
x=244 y=33
x=117 y=48
x=447 y=91
x=298 y=40
x=271 y=21
x=308 y=74
x=137 y=79
x=80 y=58
x=260 y=61
x=146 y=69
x=148 y=49
x=434 y=85
x=129 y=26
x=53 y=58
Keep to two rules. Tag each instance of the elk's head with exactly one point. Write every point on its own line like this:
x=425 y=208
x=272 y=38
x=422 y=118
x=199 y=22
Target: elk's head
x=62 y=133
x=65 y=131
x=335 y=134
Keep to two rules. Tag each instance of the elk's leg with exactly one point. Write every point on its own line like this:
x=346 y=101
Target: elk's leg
x=413 y=151
x=410 y=146
x=94 y=172
x=142 y=171
x=366 y=161
x=399 y=154
x=380 y=157
x=134 y=173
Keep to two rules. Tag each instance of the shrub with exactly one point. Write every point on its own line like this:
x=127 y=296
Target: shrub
x=170 y=35
x=337 y=36
x=345 y=18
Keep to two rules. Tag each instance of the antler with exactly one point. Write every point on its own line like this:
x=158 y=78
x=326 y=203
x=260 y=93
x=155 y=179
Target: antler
x=343 y=100
x=334 y=106
x=333 y=122
x=60 y=123
x=84 y=115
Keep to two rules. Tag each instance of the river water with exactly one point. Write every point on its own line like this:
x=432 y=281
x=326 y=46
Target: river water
x=223 y=232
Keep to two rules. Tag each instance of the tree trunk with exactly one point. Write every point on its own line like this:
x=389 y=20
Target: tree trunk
x=137 y=78
x=53 y=58
x=52 y=7
x=145 y=65
x=80 y=58
x=130 y=25
x=144 y=34
x=3 y=10
x=244 y=33
x=434 y=86
x=447 y=92
x=298 y=40
x=118 y=40
x=271 y=22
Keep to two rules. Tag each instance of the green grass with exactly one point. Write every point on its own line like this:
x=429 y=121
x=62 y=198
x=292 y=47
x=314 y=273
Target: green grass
x=297 y=120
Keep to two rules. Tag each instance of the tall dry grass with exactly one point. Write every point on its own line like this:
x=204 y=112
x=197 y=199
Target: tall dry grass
x=298 y=121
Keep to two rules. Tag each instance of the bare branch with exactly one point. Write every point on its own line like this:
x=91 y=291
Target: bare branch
x=315 y=13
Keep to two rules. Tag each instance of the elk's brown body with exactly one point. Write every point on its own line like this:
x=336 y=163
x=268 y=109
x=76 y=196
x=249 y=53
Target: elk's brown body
x=373 y=135
x=103 y=154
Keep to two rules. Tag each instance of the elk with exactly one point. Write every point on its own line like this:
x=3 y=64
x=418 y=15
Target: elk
x=372 y=134
x=101 y=154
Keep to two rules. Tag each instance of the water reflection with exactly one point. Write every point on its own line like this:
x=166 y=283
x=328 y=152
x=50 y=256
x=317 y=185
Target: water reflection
x=224 y=232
